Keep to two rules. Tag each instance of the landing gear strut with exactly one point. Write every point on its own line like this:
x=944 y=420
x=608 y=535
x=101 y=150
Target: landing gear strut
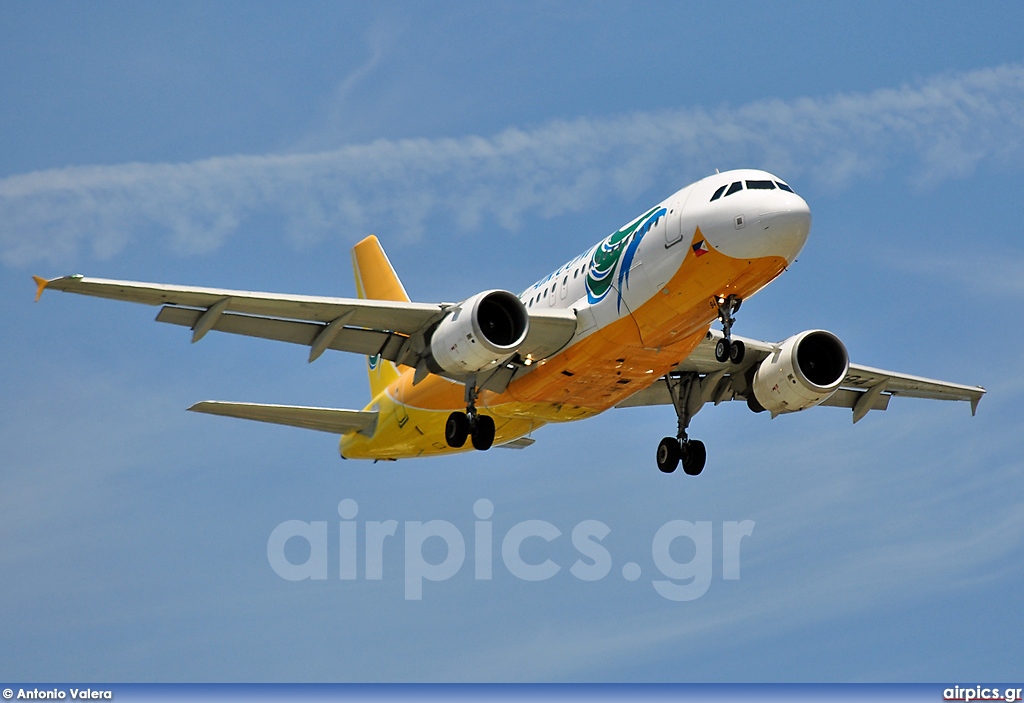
x=686 y=399
x=480 y=428
x=726 y=349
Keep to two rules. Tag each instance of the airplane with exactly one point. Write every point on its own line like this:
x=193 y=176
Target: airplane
x=626 y=323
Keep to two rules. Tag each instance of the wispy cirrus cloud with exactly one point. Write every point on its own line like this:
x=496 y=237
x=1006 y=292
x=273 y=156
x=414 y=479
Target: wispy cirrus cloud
x=939 y=129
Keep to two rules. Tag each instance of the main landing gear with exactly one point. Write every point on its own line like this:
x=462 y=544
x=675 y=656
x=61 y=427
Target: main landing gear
x=687 y=398
x=727 y=349
x=480 y=428
x=688 y=392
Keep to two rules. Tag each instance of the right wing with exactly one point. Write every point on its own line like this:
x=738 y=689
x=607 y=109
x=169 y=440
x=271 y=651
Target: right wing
x=394 y=330
x=863 y=389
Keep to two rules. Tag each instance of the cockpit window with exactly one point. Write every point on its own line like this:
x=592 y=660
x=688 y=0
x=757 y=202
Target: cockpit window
x=734 y=188
x=784 y=187
x=760 y=185
x=718 y=193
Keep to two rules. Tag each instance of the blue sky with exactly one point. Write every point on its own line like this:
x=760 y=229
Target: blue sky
x=249 y=145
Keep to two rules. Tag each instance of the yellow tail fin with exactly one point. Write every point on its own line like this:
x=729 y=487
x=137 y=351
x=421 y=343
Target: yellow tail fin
x=376 y=280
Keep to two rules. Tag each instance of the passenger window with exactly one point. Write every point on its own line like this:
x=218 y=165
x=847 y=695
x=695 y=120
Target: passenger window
x=718 y=193
x=545 y=292
x=785 y=187
x=734 y=188
x=760 y=185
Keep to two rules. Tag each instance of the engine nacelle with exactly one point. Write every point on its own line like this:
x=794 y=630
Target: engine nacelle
x=806 y=371
x=483 y=331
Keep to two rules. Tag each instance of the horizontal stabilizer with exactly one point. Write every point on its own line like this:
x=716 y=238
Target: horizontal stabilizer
x=332 y=420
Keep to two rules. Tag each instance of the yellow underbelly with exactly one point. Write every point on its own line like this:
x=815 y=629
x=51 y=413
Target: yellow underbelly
x=592 y=375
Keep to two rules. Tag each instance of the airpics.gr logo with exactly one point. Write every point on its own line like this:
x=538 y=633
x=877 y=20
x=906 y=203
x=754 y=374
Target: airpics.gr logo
x=616 y=253
x=298 y=550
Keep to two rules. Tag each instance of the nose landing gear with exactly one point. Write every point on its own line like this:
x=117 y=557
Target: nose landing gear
x=726 y=349
x=479 y=428
x=687 y=398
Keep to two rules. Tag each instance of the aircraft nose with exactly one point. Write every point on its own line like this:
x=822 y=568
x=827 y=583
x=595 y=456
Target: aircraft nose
x=786 y=227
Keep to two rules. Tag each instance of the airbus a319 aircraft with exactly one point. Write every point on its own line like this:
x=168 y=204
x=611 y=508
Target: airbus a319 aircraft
x=626 y=323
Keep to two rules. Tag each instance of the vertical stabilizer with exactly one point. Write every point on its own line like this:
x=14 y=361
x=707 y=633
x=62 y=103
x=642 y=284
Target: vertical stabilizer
x=376 y=280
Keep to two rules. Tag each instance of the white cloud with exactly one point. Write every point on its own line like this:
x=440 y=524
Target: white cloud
x=940 y=129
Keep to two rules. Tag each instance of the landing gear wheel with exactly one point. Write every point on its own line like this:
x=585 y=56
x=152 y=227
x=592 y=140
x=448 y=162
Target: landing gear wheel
x=456 y=429
x=737 y=351
x=668 y=455
x=694 y=457
x=483 y=432
x=723 y=350
x=726 y=349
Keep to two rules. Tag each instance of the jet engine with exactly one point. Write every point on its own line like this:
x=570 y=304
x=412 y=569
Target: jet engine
x=805 y=371
x=482 y=331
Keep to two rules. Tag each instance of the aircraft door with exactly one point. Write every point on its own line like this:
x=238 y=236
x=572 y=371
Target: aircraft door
x=675 y=227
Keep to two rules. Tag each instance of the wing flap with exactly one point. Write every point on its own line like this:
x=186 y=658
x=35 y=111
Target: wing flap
x=521 y=443
x=655 y=394
x=358 y=341
x=333 y=420
x=845 y=398
x=658 y=394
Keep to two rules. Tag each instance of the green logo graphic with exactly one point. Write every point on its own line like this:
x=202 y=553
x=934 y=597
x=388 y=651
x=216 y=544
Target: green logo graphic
x=616 y=253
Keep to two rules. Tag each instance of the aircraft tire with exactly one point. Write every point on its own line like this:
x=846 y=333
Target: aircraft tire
x=483 y=433
x=695 y=455
x=668 y=455
x=737 y=352
x=722 y=350
x=456 y=429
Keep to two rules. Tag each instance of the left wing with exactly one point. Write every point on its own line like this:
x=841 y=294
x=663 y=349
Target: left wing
x=862 y=390
x=394 y=330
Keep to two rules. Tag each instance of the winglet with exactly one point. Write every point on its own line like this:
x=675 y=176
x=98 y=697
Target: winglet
x=41 y=284
x=974 y=404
